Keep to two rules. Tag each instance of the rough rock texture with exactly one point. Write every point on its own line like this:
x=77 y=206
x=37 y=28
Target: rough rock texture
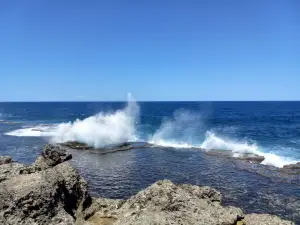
x=51 y=192
x=125 y=146
x=291 y=169
x=166 y=203
x=5 y=160
x=46 y=196
x=264 y=219
x=52 y=156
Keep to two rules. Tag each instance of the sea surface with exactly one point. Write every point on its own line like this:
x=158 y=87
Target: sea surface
x=270 y=129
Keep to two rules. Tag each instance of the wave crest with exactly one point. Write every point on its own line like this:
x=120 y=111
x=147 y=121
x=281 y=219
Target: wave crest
x=101 y=129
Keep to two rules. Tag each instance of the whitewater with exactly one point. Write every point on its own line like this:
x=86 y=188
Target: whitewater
x=180 y=131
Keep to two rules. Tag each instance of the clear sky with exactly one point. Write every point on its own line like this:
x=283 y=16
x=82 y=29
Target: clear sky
x=55 y=50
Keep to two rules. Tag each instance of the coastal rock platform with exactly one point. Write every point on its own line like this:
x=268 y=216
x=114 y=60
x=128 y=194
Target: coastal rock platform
x=50 y=191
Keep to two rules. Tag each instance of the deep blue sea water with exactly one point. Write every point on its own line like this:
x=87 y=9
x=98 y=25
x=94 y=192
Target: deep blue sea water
x=271 y=129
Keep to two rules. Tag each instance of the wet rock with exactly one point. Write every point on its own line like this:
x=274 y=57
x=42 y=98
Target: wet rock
x=287 y=174
x=249 y=157
x=125 y=146
x=76 y=145
x=265 y=219
x=5 y=160
x=291 y=169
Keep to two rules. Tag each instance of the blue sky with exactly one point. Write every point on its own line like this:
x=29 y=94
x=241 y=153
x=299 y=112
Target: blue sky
x=157 y=50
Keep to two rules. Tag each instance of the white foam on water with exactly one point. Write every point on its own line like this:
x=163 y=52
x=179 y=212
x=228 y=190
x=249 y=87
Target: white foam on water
x=179 y=131
x=212 y=141
x=101 y=129
x=36 y=131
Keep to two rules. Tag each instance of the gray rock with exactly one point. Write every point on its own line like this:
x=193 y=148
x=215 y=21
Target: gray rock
x=5 y=160
x=50 y=195
x=167 y=203
x=265 y=219
x=51 y=156
x=10 y=170
x=51 y=192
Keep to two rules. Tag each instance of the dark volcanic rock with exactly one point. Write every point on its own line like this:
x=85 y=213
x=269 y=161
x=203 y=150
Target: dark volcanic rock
x=125 y=146
x=76 y=145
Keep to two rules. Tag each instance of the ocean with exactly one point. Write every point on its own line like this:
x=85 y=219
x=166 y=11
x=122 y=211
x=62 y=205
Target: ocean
x=269 y=129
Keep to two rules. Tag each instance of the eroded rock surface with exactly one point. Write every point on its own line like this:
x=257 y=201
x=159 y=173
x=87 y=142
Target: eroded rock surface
x=51 y=192
x=265 y=219
x=5 y=160
x=166 y=203
x=50 y=195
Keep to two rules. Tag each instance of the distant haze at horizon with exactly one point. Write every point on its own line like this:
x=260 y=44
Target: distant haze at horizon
x=157 y=50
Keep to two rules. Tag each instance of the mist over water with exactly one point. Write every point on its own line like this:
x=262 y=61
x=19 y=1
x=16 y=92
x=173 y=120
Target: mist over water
x=185 y=129
x=101 y=129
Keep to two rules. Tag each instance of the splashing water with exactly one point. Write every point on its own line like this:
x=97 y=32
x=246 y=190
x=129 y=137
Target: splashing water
x=185 y=130
x=101 y=129
x=179 y=132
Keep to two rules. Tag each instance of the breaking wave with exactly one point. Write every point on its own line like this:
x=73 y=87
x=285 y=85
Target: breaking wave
x=37 y=131
x=184 y=130
x=101 y=129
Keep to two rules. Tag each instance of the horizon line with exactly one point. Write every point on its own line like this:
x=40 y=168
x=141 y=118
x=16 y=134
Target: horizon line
x=120 y=101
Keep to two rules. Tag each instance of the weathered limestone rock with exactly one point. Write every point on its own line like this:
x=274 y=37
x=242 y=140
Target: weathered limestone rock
x=51 y=156
x=265 y=219
x=167 y=203
x=51 y=192
x=5 y=160
x=51 y=195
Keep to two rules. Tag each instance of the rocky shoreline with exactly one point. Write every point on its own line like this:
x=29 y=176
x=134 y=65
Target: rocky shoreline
x=50 y=191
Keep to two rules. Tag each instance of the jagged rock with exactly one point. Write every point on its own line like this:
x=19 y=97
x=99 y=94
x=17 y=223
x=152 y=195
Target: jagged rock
x=10 y=170
x=167 y=203
x=51 y=156
x=51 y=192
x=5 y=160
x=265 y=219
x=51 y=195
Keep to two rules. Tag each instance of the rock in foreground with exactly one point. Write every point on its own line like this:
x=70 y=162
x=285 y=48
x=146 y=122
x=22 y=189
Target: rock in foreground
x=51 y=192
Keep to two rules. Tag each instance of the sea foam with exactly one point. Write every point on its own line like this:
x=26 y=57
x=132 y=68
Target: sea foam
x=101 y=129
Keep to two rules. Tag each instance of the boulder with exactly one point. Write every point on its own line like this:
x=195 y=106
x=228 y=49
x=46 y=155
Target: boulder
x=51 y=156
x=167 y=203
x=51 y=195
